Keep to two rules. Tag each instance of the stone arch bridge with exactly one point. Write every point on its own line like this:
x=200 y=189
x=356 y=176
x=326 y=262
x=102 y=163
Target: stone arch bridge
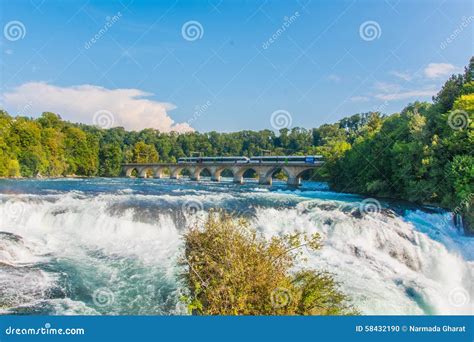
x=264 y=170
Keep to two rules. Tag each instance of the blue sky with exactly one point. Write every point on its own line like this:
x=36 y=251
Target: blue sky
x=145 y=70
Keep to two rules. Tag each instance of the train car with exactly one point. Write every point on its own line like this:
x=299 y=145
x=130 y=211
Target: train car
x=204 y=160
x=287 y=159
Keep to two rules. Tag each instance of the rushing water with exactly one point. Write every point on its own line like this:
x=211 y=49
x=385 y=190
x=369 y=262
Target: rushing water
x=113 y=246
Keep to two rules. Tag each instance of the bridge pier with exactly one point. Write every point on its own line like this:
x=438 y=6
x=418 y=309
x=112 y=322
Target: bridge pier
x=215 y=174
x=128 y=171
x=294 y=181
x=157 y=172
x=142 y=172
x=238 y=179
x=195 y=173
x=264 y=179
x=174 y=172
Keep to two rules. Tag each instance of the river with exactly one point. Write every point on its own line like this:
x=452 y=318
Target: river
x=113 y=245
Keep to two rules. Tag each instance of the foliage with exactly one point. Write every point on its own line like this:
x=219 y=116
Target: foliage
x=423 y=154
x=234 y=271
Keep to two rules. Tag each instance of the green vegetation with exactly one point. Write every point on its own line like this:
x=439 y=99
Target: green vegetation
x=423 y=154
x=234 y=271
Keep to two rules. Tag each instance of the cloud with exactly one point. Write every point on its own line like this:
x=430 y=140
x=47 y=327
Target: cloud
x=405 y=94
x=402 y=75
x=393 y=92
x=387 y=87
x=359 y=99
x=435 y=70
x=130 y=108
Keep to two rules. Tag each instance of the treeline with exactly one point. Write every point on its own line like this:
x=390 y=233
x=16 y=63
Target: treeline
x=49 y=146
x=423 y=154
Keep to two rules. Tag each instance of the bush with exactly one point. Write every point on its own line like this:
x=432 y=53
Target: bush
x=234 y=271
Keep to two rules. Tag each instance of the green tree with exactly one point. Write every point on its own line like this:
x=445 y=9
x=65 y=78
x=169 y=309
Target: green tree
x=144 y=153
x=110 y=157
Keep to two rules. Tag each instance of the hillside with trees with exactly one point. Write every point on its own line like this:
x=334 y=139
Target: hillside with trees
x=423 y=154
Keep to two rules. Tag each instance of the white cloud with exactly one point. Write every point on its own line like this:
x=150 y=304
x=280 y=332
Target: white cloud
x=359 y=99
x=130 y=107
x=406 y=94
x=387 y=87
x=402 y=75
x=393 y=91
x=435 y=70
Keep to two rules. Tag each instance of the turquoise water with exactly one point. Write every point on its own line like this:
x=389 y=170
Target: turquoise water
x=113 y=246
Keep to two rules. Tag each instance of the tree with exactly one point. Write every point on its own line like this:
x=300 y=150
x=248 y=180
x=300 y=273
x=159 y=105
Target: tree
x=144 y=153
x=234 y=271
x=81 y=152
x=13 y=168
x=110 y=157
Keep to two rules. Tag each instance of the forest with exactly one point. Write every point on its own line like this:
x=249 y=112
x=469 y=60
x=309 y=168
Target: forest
x=422 y=154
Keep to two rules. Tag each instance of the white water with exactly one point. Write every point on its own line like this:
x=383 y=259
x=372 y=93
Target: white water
x=417 y=264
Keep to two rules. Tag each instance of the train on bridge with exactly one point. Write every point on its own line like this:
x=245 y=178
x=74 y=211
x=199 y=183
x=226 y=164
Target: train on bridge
x=264 y=167
x=257 y=159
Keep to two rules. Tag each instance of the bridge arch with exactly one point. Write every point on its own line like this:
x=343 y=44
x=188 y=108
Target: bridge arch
x=217 y=172
x=267 y=177
x=205 y=172
x=162 y=172
x=197 y=172
x=175 y=171
x=241 y=171
x=295 y=173
x=149 y=172
x=130 y=171
x=304 y=171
